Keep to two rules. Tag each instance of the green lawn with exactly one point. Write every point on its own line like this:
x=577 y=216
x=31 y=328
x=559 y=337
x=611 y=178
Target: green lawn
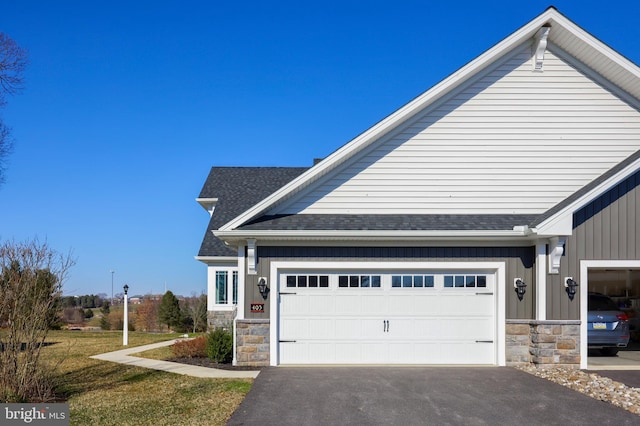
x=105 y=393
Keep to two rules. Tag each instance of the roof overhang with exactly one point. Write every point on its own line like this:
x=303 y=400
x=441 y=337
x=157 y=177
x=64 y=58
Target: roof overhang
x=239 y=237
x=217 y=260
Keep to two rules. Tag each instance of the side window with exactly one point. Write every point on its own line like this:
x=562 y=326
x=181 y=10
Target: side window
x=226 y=287
x=235 y=287
x=221 y=287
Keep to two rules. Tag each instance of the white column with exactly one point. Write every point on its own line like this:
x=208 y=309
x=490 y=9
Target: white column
x=541 y=281
x=241 y=289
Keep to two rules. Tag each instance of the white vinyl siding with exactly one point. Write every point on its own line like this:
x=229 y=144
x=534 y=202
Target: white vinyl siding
x=512 y=141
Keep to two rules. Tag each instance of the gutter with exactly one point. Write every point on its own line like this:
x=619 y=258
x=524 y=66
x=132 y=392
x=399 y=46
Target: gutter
x=517 y=233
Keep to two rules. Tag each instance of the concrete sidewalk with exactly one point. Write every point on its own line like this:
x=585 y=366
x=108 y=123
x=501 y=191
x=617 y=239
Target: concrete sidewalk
x=124 y=357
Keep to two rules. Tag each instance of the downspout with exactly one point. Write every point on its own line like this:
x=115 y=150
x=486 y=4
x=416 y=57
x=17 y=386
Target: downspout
x=234 y=361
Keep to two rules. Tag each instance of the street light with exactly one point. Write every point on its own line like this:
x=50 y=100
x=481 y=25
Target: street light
x=125 y=327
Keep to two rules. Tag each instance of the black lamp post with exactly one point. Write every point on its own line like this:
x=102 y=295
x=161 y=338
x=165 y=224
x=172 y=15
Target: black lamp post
x=125 y=327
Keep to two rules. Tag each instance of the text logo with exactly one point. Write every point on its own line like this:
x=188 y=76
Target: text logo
x=49 y=414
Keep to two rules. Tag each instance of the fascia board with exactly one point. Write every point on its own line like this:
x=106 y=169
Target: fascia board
x=595 y=43
x=403 y=114
x=297 y=235
x=561 y=223
x=217 y=260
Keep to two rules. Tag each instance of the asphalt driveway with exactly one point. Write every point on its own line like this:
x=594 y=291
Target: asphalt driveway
x=417 y=396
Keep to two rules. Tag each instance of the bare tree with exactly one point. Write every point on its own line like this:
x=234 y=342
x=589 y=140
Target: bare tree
x=31 y=276
x=148 y=315
x=197 y=311
x=73 y=315
x=13 y=60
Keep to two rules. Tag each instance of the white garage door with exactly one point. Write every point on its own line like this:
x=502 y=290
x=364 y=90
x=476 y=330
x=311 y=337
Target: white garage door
x=391 y=318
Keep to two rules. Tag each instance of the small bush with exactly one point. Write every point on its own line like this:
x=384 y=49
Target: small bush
x=105 y=324
x=194 y=348
x=220 y=346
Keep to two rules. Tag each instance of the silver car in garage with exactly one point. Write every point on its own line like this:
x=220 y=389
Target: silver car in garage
x=608 y=326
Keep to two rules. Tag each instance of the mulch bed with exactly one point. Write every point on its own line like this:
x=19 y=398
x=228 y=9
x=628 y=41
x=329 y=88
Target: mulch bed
x=206 y=362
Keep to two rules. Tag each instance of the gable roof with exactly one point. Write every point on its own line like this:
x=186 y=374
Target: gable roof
x=229 y=191
x=565 y=34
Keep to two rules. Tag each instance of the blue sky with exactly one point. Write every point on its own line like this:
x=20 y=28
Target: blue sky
x=129 y=103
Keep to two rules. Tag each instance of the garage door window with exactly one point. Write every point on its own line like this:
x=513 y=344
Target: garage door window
x=461 y=281
x=412 y=281
x=366 y=281
x=303 y=281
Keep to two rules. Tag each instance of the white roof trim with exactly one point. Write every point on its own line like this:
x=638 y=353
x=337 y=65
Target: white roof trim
x=209 y=204
x=561 y=223
x=359 y=235
x=549 y=17
x=211 y=260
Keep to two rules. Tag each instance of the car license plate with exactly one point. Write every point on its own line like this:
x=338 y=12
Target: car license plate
x=599 y=326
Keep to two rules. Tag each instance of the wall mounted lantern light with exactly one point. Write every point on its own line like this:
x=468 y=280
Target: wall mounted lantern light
x=520 y=286
x=262 y=287
x=570 y=286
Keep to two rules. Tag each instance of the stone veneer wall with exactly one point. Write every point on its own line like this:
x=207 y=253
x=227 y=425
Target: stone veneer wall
x=543 y=343
x=221 y=319
x=252 y=342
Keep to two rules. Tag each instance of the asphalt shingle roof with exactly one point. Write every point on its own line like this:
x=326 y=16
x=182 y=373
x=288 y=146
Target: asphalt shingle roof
x=237 y=189
x=410 y=222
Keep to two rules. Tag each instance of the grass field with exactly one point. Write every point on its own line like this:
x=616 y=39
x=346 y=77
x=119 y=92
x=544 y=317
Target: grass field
x=105 y=393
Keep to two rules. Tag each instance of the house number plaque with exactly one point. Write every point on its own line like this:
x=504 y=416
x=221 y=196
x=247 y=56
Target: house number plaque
x=257 y=307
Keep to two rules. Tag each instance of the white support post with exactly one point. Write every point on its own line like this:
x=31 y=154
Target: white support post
x=541 y=281
x=241 y=282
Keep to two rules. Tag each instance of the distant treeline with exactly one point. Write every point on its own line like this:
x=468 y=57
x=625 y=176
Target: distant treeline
x=86 y=301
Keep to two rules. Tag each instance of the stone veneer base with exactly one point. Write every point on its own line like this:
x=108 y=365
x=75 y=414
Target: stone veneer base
x=252 y=343
x=543 y=343
x=221 y=319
